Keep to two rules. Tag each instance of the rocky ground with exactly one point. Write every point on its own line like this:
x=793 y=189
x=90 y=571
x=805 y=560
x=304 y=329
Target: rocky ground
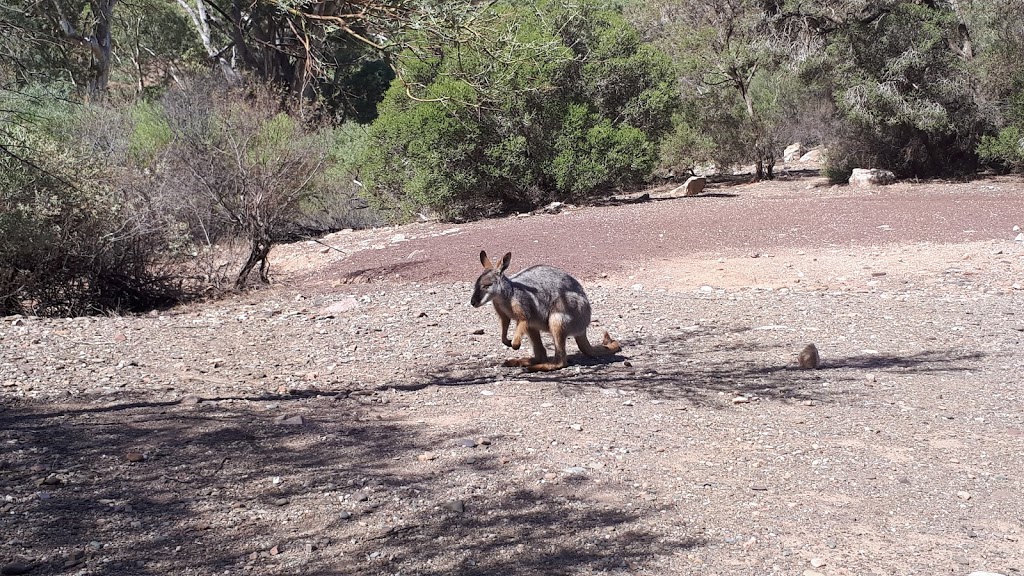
x=355 y=419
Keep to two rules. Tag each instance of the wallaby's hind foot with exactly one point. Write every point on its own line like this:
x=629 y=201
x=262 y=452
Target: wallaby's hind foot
x=547 y=366
x=519 y=362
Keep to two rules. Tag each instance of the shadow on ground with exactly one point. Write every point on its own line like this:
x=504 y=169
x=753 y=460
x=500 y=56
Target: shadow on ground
x=672 y=367
x=226 y=485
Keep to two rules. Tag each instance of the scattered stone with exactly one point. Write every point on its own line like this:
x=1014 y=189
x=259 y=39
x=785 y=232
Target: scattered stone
x=963 y=495
x=360 y=496
x=282 y=502
x=741 y=400
x=135 y=456
x=190 y=400
x=871 y=177
x=345 y=515
x=275 y=550
x=817 y=562
x=341 y=306
x=812 y=573
x=467 y=443
x=51 y=480
x=576 y=427
x=120 y=337
x=759 y=487
x=483 y=441
x=455 y=506
x=478 y=332
x=426 y=456
x=285 y=420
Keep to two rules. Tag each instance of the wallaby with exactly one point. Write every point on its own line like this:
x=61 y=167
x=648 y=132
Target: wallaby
x=540 y=299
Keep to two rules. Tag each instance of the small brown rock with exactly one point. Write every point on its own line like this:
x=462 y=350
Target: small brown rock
x=135 y=456
x=809 y=358
x=426 y=456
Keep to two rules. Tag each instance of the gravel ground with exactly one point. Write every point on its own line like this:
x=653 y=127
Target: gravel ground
x=354 y=419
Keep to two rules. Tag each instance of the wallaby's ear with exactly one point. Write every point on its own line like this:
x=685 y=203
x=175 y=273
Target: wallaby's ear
x=485 y=260
x=505 y=261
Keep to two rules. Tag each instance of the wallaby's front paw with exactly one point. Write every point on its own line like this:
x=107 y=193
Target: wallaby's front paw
x=508 y=343
x=515 y=344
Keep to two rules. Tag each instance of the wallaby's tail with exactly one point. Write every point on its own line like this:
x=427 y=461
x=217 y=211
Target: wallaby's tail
x=608 y=346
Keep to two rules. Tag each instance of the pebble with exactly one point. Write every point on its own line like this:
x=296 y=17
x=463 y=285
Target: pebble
x=285 y=420
x=741 y=400
x=360 y=496
x=812 y=573
x=482 y=441
x=190 y=400
x=467 y=443
x=870 y=377
x=426 y=456
x=281 y=502
x=963 y=495
x=345 y=515
x=817 y=562
x=455 y=506
x=135 y=456
x=576 y=427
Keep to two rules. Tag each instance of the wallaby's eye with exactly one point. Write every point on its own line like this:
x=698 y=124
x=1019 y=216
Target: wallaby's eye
x=485 y=285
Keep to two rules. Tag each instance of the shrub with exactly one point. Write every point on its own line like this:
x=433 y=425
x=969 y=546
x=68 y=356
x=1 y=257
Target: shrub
x=564 y=103
x=71 y=239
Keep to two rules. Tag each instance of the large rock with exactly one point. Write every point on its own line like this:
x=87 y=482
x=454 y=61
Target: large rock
x=694 y=185
x=812 y=156
x=871 y=177
x=793 y=152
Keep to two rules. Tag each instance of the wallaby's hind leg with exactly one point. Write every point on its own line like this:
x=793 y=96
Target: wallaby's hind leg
x=540 y=355
x=559 y=336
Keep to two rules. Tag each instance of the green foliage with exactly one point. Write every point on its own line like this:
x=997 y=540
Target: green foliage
x=70 y=240
x=1005 y=148
x=558 y=101
x=151 y=135
x=906 y=100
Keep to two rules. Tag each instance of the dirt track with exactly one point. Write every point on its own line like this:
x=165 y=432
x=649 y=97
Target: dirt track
x=354 y=420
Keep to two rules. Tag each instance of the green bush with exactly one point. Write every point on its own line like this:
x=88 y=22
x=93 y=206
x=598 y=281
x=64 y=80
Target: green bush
x=71 y=240
x=565 y=103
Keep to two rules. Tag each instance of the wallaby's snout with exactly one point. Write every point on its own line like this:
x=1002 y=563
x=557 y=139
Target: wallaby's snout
x=480 y=296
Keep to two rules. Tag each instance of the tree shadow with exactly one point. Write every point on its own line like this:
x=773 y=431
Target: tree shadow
x=167 y=488
x=672 y=367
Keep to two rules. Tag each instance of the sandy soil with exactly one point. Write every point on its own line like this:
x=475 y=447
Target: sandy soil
x=355 y=419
